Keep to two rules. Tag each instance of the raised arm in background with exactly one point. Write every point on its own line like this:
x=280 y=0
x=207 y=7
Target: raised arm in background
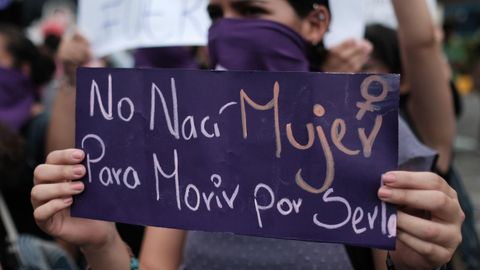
x=430 y=103
x=73 y=52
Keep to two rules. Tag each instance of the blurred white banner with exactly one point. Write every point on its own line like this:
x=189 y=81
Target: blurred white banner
x=348 y=21
x=381 y=11
x=113 y=25
x=349 y=18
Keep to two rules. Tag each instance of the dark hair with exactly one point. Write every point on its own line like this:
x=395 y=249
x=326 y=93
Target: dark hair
x=316 y=53
x=304 y=7
x=12 y=155
x=23 y=52
x=385 y=46
x=51 y=43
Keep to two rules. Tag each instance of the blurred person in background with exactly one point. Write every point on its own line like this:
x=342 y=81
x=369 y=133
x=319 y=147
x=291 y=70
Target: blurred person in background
x=23 y=71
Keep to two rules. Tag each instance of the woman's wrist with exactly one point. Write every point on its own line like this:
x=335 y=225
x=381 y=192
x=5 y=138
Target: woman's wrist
x=67 y=85
x=111 y=254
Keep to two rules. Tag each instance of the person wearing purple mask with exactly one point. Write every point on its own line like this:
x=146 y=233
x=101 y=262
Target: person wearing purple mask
x=274 y=35
x=22 y=69
x=259 y=45
x=16 y=98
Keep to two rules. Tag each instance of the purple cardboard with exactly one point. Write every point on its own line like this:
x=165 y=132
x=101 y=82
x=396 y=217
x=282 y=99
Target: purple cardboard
x=274 y=154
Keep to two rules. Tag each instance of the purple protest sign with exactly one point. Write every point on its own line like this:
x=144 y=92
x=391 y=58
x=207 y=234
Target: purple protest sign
x=273 y=154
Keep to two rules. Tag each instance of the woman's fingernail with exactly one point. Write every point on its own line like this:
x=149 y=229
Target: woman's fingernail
x=68 y=200
x=388 y=178
x=78 y=170
x=77 y=154
x=385 y=192
x=77 y=186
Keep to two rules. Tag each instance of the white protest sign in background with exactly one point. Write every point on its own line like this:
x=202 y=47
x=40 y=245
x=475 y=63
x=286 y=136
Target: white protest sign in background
x=348 y=21
x=349 y=18
x=114 y=25
x=381 y=11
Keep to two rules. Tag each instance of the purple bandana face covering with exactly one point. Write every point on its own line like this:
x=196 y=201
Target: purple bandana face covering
x=253 y=44
x=16 y=98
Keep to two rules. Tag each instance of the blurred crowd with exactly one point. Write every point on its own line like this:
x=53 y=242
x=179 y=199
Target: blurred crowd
x=41 y=47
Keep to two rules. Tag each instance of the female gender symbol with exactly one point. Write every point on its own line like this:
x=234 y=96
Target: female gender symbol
x=367 y=105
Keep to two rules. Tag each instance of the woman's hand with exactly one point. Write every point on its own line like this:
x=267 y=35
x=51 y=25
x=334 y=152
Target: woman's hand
x=52 y=197
x=348 y=56
x=429 y=218
x=74 y=52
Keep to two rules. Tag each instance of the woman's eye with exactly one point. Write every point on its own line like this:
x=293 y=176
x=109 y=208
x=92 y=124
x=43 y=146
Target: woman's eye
x=250 y=11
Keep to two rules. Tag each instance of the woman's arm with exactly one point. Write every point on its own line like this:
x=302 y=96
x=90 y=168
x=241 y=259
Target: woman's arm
x=430 y=103
x=162 y=248
x=73 y=52
x=379 y=258
x=112 y=255
x=61 y=129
